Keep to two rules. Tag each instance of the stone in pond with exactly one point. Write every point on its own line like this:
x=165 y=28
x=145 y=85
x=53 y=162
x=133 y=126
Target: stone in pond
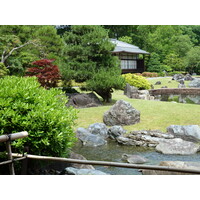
x=116 y=131
x=74 y=171
x=89 y=139
x=134 y=159
x=177 y=146
x=99 y=129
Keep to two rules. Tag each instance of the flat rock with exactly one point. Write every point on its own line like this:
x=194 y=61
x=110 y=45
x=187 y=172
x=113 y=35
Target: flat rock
x=74 y=171
x=187 y=132
x=82 y=100
x=134 y=159
x=121 y=113
x=177 y=146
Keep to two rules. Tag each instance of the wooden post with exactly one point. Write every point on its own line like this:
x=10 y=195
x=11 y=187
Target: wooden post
x=11 y=165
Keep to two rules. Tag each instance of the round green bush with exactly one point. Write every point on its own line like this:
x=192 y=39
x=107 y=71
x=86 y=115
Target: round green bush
x=25 y=106
x=137 y=81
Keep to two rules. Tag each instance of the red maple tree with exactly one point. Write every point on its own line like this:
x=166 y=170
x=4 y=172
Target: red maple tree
x=46 y=72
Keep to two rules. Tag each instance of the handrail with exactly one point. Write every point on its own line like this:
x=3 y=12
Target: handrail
x=105 y=163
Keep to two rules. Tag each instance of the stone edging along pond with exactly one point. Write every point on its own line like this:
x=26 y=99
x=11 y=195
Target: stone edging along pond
x=176 y=91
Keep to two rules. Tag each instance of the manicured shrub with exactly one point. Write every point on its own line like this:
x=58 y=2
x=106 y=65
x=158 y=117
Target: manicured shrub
x=47 y=73
x=137 y=81
x=104 y=82
x=3 y=70
x=25 y=106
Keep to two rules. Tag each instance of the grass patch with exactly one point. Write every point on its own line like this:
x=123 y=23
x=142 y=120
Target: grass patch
x=153 y=114
x=166 y=81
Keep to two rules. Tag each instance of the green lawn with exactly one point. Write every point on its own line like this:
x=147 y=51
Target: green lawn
x=154 y=114
x=166 y=81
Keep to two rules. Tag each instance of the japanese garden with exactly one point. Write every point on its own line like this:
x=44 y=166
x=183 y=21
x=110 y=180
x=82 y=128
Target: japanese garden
x=128 y=94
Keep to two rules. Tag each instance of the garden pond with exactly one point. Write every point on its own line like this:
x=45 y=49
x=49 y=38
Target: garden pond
x=113 y=152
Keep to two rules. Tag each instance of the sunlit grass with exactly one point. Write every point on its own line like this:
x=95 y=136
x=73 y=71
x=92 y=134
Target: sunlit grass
x=154 y=114
x=166 y=81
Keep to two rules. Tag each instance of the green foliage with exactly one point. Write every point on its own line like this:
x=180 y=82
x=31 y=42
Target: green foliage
x=174 y=62
x=154 y=64
x=104 y=81
x=45 y=44
x=192 y=60
x=176 y=72
x=126 y=39
x=89 y=58
x=3 y=70
x=137 y=81
x=88 y=49
x=25 y=106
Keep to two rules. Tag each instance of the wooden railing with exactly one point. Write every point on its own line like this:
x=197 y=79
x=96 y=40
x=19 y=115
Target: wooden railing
x=10 y=161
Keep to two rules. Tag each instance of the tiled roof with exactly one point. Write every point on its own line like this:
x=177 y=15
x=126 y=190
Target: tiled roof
x=125 y=47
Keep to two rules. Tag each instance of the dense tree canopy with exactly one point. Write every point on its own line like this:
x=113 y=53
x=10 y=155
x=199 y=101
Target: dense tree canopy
x=164 y=40
x=21 y=45
x=88 y=53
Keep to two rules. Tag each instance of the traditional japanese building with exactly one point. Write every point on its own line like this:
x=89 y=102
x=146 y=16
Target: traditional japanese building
x=131 y=57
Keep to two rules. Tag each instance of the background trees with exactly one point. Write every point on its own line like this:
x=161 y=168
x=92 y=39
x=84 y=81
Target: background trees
x=171 y=43
x=80 y=51
x=88 y=58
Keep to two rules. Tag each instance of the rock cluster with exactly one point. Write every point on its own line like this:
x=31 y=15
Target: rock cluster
x=134 y=93
x=97 y=133
x=177 y=77
x=143 y=138
x=181 y=77
x=195 y=83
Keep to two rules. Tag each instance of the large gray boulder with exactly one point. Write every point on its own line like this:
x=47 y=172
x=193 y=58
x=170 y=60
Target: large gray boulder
x=188 y=77
x=177 y=77
x=121 y=113
x=74 y=171
x=134 y=159
x=187 y=132
x=177 y=146
x=89 y=139
x=130 y=91
x=195 y=83
x=116 y=131
x=99 y=129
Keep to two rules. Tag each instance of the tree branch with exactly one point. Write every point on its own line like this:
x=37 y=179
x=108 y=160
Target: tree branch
x=4 y=57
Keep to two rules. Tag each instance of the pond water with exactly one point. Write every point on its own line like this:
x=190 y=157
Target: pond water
x=113 y=152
